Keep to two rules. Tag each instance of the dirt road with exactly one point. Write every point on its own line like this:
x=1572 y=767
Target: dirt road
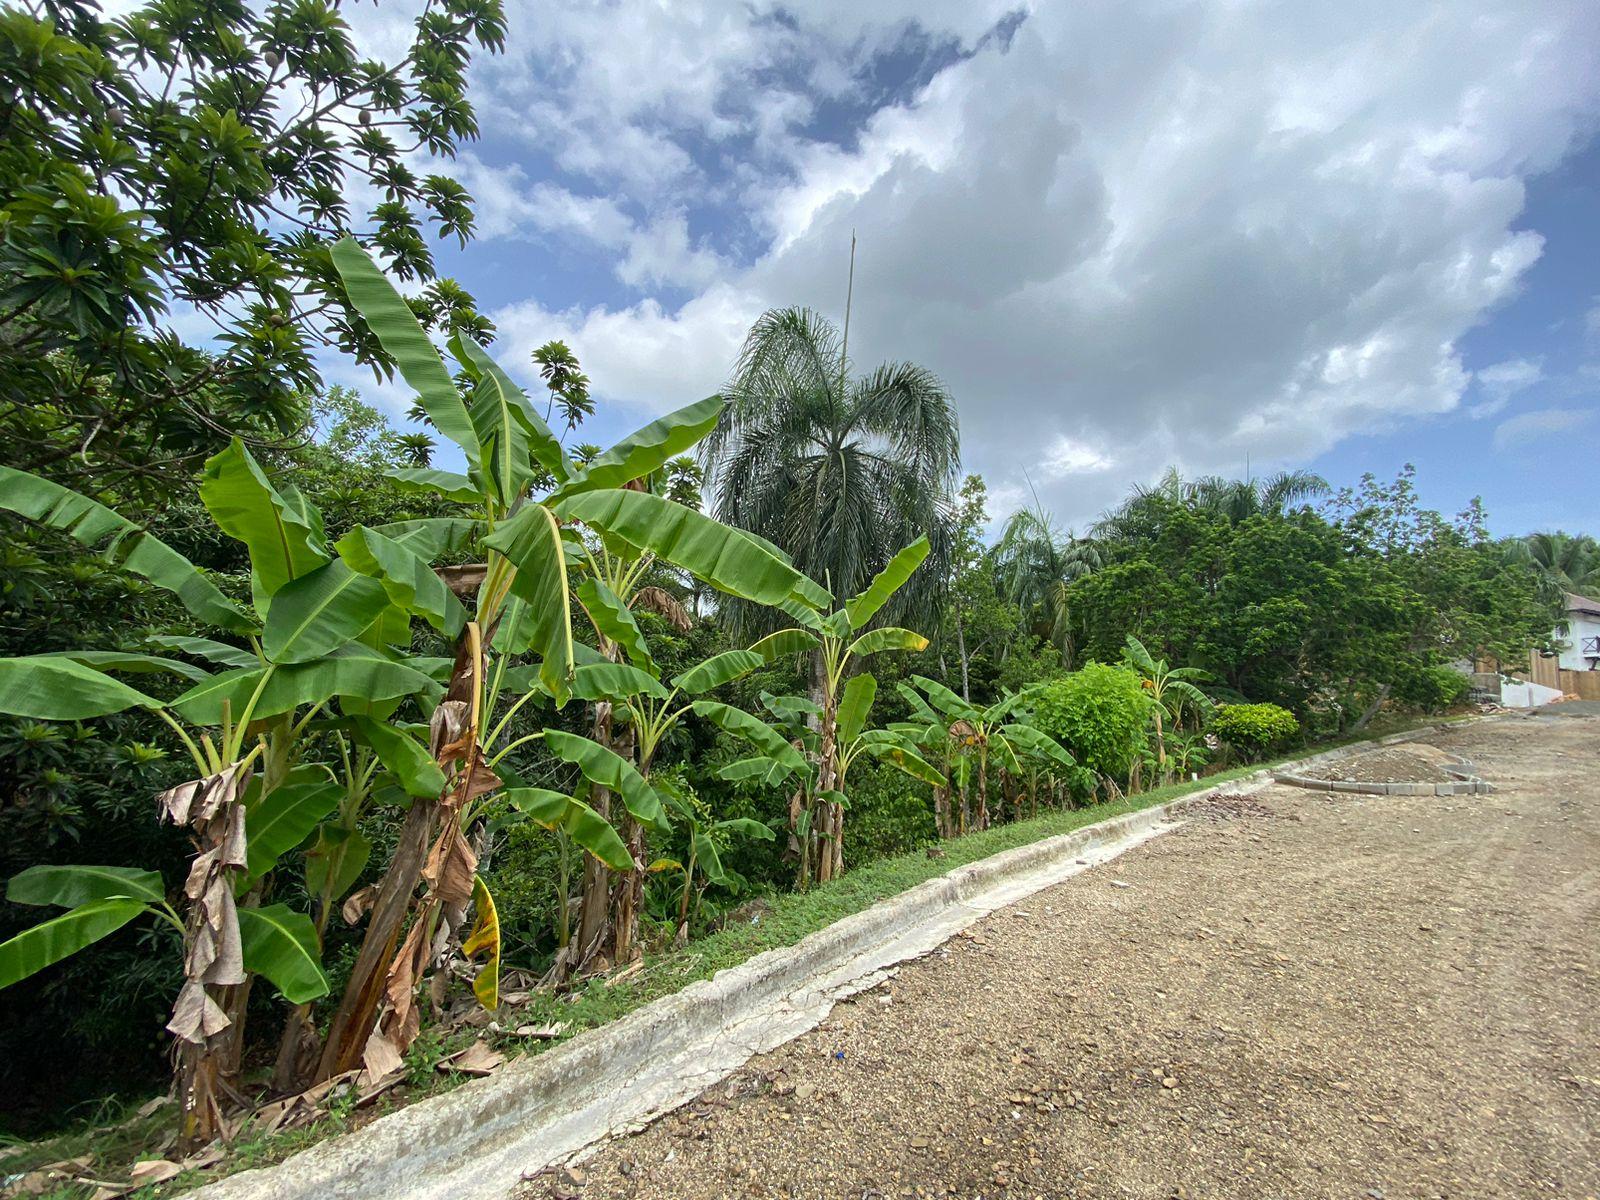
x=1296 y=995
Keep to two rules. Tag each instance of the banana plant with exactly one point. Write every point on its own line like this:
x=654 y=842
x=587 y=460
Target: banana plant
x=523 y=603
x=652 y=708
x=317 y=629
x=1170 y=689
x=778 y=762
x=837 y=641
x=992 y=731
x=706 y=839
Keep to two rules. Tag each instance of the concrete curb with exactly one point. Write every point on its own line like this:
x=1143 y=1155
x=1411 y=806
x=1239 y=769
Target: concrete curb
x=1464 y=784
x=478 y=1141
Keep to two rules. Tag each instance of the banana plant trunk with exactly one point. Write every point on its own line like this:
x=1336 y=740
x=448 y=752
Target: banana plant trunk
x=594 y=905
x=830 y=840
x=983 y=786
x=357 y=1014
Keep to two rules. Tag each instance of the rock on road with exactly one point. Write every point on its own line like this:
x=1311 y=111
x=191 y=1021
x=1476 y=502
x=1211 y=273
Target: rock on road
x=1295 y=995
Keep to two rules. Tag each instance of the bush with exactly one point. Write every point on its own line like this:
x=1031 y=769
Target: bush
x=890 y=813
x=1254 y=729
x=1433 y=689
x=1100 y=714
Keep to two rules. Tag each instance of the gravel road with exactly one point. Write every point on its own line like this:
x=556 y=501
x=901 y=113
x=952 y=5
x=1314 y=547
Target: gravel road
x=1294 y=995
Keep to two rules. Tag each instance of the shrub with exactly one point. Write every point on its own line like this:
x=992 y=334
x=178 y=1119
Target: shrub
x=889 y=814
x=1100 y=714
x=1254 y=729
x=1432 y=689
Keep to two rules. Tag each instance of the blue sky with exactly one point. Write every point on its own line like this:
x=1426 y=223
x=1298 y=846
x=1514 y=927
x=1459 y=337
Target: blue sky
x=1547 y=339
x=1194 y=232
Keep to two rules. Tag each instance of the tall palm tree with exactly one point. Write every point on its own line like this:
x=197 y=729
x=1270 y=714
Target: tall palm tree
x=1235 y=499
x=1035 y=562
x=838 y=471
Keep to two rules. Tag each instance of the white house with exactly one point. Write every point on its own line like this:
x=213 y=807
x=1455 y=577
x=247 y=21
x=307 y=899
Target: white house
x=1580 y=644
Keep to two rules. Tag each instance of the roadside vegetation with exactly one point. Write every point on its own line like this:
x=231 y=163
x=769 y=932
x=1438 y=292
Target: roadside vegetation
x=325 y=747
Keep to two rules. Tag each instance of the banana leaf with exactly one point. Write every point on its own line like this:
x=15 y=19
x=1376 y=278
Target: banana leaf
x=395 y=326
x=50 y=687
x=121 y=542
x=280 y=945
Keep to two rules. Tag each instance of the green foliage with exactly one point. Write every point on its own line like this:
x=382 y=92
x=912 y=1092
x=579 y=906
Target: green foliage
x=1433 y=689
x=1254 y=730
x=889 y=814
x=178 y=153
x=1100 y=714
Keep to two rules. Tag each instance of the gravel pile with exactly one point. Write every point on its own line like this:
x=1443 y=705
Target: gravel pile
x=1401 y=764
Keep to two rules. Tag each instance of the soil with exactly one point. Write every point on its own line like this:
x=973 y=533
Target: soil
x=1398 y=765
x=1295 y=995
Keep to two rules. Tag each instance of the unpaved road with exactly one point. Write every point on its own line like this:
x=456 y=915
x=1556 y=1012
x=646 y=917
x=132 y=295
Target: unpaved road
x=1296 y=995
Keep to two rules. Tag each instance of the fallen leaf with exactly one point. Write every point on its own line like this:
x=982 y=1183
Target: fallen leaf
x=554 y=1029
x=154 y=1170
x=477 y=1059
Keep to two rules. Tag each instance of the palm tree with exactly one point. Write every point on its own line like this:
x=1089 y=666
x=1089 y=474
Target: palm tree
x=1565 y=562
x=839 y=472
x=1235 y=499
x=1035 y=562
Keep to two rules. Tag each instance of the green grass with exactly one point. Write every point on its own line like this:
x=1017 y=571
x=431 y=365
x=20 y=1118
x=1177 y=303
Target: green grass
x=790 y=918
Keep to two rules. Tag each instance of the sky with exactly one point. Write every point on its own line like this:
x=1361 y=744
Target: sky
x=1225 y=235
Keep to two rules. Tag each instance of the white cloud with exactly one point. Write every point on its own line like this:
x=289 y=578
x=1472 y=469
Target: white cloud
x=1191 y=233
x=1501 y=381
x=1069 y=457
x=1531 y=428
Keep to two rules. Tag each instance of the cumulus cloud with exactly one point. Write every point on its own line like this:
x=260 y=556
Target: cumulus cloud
x=1193 y=233
x=1530 y=428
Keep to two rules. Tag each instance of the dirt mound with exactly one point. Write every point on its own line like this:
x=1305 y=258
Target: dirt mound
x=1396 y=765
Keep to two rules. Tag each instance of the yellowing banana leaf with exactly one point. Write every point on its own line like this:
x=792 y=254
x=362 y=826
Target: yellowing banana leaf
x=485 y=939
x=888 y=638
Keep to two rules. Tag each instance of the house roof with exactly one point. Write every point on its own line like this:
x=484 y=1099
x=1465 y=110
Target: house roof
x=1582 y=604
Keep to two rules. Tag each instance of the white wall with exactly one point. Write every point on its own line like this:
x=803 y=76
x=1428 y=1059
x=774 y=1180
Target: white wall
x=1578 y=628
x=1514 y=693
